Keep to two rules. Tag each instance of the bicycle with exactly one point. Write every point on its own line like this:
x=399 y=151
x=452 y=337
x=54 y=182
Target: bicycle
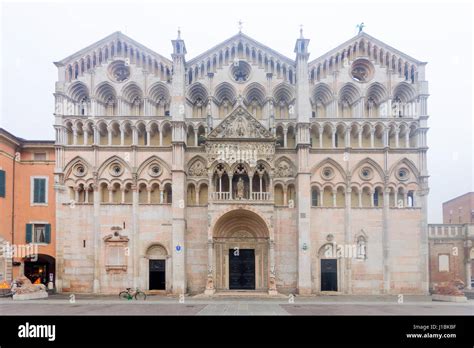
x=6 y=293
x=130 y=294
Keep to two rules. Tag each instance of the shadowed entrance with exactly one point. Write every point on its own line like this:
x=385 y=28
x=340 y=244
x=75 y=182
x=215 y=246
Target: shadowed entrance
x=241 y=251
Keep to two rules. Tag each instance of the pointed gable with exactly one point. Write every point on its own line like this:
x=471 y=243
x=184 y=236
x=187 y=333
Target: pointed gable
x=367 y=43
x=240 y=124
x=116 y=45
x=245 y=41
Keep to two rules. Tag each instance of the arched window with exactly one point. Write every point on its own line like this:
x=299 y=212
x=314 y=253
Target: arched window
x=410 y=199
x=314 y=197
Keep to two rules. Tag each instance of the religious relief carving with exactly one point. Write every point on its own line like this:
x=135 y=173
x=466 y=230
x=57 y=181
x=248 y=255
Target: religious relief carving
x=197 y=169
x=248 y=152
x=240 y=124
x=284 y=170
x=242 y=234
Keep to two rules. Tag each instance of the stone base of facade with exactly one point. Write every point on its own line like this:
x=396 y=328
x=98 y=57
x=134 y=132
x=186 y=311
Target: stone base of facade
x=30 y=296
x=447 y=298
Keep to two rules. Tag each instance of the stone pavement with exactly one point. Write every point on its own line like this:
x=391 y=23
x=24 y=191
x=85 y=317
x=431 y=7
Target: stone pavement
x=60 y=304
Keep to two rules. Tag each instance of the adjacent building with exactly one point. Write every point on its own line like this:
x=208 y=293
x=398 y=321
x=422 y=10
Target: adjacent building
x=241 y=169
x=459 y=210
x=27 y=209
x=451 y=243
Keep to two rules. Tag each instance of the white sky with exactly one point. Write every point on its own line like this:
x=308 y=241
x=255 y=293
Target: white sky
x=35 y=34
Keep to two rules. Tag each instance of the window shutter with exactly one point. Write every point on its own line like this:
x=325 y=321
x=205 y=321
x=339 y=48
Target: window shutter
x=2 y=183
x=29 y=233
x=47 y=237
x=42 y=194
x=35 y=191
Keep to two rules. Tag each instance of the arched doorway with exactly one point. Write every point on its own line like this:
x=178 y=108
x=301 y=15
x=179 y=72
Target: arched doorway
x=328 y=269
x=241 y=251
x=157 y=268
x=40 y=268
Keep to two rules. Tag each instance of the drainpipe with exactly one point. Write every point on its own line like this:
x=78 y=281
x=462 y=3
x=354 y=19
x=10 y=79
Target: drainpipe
x=13 y=205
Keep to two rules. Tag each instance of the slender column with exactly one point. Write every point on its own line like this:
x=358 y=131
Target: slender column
x=97 y=234
x=334 y=138
x=321 y=132
x=135 y=234
x=210 y=269
x=272 y=282
x=360 y=137
x=372 y=137
x=148 y=137
x=250 y=186
x=397 y=140
x=109 y=132
x=74 y=132
x=385 y=241
x=468 y=273
x=285 y=136
x=360 y=198
x=334 y=201
x=162 y=196
x=86 y=137
x=321 y=197
x=148 y=192
x=76 y=194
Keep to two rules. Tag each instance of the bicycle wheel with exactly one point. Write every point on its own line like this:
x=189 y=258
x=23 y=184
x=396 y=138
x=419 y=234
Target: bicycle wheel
x=124 y=295
x=140 y=296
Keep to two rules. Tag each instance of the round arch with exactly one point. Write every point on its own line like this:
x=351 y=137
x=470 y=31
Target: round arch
x=241 y=253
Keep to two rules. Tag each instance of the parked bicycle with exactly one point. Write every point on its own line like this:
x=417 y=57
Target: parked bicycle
x=130 y=294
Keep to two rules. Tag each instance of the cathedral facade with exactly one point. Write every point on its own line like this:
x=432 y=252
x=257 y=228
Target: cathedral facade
x=241 y=169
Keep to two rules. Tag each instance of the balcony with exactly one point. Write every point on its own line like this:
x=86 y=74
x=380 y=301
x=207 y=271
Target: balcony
x=254 y=196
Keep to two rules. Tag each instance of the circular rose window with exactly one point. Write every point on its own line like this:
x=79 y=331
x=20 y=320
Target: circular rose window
x=362 y=70
x=240 y=71
x=327 y=173
x=402 y=174
x=119 y=71
x=154 y=170
x=79 y=170
x=116 y=169
x=366 y=173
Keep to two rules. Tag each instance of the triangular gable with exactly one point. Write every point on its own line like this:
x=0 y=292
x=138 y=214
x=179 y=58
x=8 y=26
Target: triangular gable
x=367 y=38
x=240 y=124
x=114 y=37
x=240 y=37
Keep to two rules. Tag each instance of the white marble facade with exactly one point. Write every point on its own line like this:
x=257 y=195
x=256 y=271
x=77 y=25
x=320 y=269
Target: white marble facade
x=174 y=164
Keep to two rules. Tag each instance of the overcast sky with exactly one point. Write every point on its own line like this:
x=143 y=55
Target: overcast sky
x=35 y=34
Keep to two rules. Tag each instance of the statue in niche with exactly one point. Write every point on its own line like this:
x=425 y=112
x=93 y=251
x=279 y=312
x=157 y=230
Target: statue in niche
x=240 y=189
x=240 y=127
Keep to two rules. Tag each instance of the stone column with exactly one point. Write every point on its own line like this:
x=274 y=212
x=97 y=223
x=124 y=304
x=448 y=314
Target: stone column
x=135 y=235
x=385 y=241
x=210 y=289
x=97 y=244
x=272 y=290
x=347 y=287
x=321 y=133
x=468 y=273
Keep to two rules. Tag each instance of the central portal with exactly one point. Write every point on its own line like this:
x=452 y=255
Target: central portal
x=240 y=252
x=242 y=269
